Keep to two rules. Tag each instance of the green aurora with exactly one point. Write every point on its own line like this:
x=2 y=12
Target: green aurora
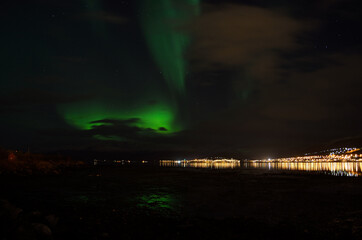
x=167 y=45
x=161 y=22
x=155 y=116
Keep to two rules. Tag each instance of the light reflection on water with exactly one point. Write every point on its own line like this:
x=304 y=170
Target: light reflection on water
x=208 y=164
x=352 y=169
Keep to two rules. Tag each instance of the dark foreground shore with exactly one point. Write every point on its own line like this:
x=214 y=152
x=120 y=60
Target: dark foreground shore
x=166 y=203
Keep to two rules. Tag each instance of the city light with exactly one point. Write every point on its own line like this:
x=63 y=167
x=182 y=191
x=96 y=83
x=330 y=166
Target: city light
x=202 y=163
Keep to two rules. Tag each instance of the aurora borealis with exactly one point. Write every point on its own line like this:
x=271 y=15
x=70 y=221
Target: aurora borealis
x=160 y=22
x=154 y=117
x=178 y=78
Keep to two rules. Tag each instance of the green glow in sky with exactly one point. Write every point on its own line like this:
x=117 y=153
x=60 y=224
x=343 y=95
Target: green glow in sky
x=154 y=116
x=162 y=21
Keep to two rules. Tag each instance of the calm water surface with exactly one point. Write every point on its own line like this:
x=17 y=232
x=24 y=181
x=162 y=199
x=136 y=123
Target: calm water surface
x=351 y=169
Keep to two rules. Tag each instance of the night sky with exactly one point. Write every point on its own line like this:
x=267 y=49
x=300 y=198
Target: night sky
x=180 y=78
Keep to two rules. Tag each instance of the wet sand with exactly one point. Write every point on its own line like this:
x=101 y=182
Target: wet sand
x=173 y=203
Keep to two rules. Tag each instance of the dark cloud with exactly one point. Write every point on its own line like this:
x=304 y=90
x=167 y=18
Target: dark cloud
x=236 y=35
x=323 y=94
x=118 y=128
x=309 y=109
x=118 y=122
x=285 y=94
x=113 y=136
